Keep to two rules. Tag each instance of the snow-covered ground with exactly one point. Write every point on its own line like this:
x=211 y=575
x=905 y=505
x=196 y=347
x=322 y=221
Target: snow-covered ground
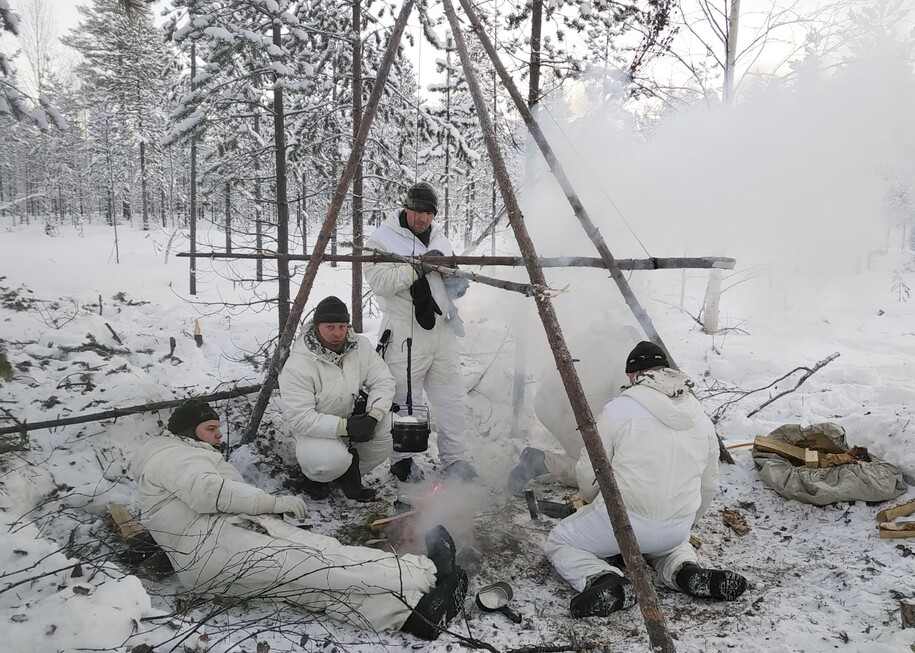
x=821 y=578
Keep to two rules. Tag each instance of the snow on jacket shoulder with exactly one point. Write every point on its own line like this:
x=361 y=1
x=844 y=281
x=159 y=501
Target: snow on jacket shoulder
x=662 y=447
x=318 y=393
x=391 y=282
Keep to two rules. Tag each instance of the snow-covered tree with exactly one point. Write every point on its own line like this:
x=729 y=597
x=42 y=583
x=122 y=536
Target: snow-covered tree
x=13 y=100
x=122 y=71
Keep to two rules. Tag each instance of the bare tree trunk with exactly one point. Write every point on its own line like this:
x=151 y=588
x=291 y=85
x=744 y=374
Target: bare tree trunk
x=258 y=216
x=192 y=271
x=533 y=91
x=333 y=171
x=282 y=198
x=304 y=203
x=731 y=52
x=227 y=200
x=468 y=220
x=660 y=638
x=111 y=217
x=712 y=300
x=143 y=185
x=357 y=180
x=447 y=220
x=495 y=116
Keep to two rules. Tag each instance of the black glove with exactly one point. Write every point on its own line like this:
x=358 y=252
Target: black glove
x=424 y=305
x=360 y=428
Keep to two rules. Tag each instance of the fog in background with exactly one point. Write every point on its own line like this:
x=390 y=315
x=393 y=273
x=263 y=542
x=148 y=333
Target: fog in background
x=796 y=182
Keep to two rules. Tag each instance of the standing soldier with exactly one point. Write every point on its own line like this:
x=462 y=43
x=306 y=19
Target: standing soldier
x=419 y=308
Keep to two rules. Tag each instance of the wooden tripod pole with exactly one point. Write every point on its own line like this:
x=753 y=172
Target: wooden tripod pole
x=295 y=314
x=658 y=635
x=580 y=212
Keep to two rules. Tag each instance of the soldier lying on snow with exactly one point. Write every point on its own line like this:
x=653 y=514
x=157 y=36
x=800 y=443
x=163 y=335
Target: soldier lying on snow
x=664 y=454
x=224 y=538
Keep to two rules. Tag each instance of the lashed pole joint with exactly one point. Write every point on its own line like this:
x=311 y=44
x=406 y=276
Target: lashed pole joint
x=295 y=314
x=658 y=635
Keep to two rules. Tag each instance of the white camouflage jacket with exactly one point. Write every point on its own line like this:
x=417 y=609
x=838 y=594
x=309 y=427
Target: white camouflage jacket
x=662 y=446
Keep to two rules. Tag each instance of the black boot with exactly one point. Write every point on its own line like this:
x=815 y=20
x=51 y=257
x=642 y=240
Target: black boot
x=316 y=489
x=438 y=607
x=441 y=549
x=710 y=583
x=406 y=471
x=461 y=470
x=603 y=596
x=531 y=465
x=351 y=482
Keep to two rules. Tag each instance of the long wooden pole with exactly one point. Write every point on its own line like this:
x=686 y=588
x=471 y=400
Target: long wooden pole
x=658 y=635
x=580 y=212
x=114 y=413
x=667 y=263
x=295 y=313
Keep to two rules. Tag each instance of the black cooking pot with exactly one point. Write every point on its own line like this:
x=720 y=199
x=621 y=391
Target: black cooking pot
x=411 y=433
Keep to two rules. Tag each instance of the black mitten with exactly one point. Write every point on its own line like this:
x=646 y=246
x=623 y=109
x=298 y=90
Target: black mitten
x=360 y=428
x=424 y=305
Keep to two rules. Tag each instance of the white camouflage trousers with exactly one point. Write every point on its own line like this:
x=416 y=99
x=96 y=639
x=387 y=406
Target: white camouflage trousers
x=326 y=459
x=578 y=545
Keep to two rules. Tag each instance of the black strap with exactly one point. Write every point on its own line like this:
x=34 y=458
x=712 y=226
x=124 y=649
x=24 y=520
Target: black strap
x=383 y=342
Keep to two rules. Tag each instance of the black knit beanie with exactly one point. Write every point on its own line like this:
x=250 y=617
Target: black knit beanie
x=188 y=415
x=645 y=355
x=421 y=197
x=331 y=309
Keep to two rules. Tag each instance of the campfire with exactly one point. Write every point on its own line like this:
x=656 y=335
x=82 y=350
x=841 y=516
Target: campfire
x=417 y=513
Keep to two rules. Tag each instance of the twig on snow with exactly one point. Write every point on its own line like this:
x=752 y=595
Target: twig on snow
x=810 y=372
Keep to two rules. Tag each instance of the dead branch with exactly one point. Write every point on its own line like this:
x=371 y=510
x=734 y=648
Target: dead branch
x=716 y=391
x=114 y=413
x=494 y=359
x=810 y=372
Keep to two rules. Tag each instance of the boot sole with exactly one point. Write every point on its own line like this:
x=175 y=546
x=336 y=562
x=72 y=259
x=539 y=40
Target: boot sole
x=603 y=598
x=716 y=584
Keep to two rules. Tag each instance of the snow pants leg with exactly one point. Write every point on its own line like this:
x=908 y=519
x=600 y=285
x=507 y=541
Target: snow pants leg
x=326 y=459
x=578 y=545
x=561 y=467
x=445 y=388
x=365 y=587
x=668 y=564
